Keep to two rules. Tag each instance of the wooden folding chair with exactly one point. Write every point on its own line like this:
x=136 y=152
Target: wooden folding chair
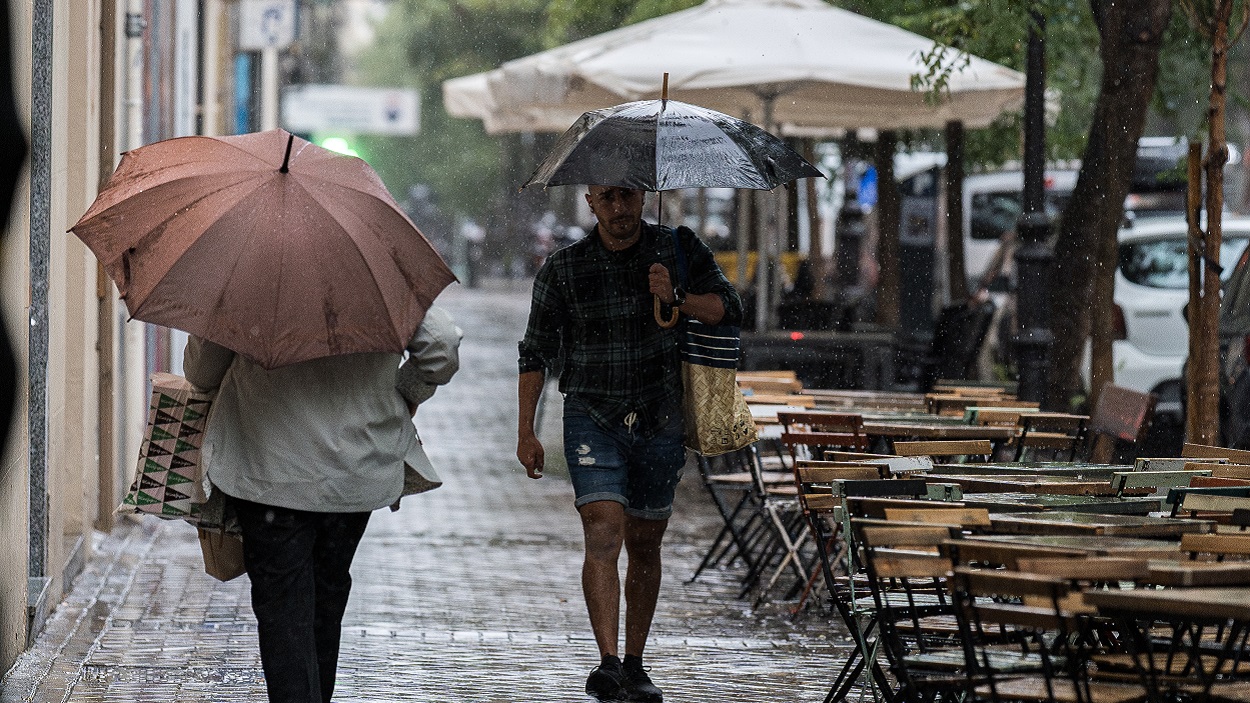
x=1211 y=505
x=810 y=434
x=1216 y=547
x=731 y=482
x=1118 y=425
x=962 y=517
x=915 y=617
x=943 y=451
x=999 y=608
x=1050 y=436
x=830 y=507
x=1128 y=480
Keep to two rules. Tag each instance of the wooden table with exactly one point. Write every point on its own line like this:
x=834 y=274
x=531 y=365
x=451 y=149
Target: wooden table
x=1077 y=470
x=1066 y=522
x=1232 y=603
x=1187 y=573
x=1035 y=484
x=935 y=429
x=1094 y=546
x=1205 y=622
x=1033 y=502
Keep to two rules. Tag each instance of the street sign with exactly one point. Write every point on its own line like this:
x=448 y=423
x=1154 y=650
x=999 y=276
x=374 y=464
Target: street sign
x=266 y=24
x=343 y=108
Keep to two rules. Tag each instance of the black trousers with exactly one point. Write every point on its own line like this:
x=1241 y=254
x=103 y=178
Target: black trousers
x=298 y=563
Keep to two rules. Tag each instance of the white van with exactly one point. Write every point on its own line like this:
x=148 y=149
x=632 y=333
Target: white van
x=992 y=206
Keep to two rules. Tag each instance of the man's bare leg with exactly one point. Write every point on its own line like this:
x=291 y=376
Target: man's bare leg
x=642 y=579
x=603 y=525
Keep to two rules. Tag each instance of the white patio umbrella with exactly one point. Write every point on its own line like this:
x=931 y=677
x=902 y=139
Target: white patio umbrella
x=470 y=97
x=807 y=62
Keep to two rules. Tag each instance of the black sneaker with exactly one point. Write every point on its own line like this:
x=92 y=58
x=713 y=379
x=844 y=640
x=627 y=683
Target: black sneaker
x=607 y=683
x=638 y=686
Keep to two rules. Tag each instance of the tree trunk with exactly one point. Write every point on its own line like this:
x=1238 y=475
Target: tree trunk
x=888 y=216
x=1193 y=203
x=1131 y=33
x=957 y=275
x=1204 y=371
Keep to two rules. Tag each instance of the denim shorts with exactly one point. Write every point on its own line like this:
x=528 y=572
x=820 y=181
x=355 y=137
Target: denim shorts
x=619 y=464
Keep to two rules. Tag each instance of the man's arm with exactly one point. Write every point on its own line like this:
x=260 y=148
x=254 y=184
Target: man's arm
x=434 y=357
x=528 y=449
x=708 y=308
x=705 y=278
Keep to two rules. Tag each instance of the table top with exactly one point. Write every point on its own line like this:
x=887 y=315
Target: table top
x=935 y=429
x=1079 y=470
x=1031 y=483
x=1067 y=522
x=1093 y=545
x=1188 y=573
x=1227 y=602
x=1035 y=502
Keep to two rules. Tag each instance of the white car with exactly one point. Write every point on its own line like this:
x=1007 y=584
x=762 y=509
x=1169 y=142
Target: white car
x=1151 y=291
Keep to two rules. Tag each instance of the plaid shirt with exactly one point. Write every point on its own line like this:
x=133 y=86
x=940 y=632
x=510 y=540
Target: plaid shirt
x=592 y=319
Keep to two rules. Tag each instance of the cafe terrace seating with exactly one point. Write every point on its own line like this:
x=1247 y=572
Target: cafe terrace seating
x=961 y=574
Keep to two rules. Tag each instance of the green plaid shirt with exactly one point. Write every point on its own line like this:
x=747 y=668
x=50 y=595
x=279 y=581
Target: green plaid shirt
x=592 y=321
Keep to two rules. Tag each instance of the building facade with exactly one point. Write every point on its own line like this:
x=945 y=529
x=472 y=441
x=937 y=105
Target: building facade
x=91 y=79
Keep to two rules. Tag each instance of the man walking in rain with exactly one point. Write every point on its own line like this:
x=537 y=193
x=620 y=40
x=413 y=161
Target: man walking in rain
x=623 y=437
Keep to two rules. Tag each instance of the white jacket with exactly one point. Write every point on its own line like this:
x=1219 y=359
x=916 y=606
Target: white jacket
x=325 y=435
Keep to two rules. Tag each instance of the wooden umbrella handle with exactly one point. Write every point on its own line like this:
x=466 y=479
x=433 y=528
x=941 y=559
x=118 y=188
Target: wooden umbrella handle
x=659 y=316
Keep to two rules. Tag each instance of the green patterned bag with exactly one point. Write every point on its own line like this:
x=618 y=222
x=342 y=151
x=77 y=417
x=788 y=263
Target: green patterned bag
x=169 y=478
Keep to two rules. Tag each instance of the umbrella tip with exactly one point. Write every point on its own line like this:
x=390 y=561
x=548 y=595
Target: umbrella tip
x=664 y=90
x=286 y=160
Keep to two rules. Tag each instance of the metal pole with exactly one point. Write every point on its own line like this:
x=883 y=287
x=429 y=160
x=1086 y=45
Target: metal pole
x=269 y=88
x=1033 y=338
x=135 y=25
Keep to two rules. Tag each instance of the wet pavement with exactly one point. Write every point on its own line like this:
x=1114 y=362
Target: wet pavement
x=468 y=593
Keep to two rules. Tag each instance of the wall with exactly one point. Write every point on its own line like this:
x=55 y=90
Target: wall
x=14 y=284
x=70 y=378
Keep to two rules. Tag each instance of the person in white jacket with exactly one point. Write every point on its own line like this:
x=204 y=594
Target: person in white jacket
x=304 y=453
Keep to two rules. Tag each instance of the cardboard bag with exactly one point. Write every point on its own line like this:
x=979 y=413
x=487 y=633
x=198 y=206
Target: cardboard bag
x=223 y=555
x=168 y=478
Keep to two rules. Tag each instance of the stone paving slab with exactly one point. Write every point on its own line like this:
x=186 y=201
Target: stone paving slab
x=468 y=593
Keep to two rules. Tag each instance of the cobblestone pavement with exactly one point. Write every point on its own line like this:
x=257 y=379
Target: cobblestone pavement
x=468 y=593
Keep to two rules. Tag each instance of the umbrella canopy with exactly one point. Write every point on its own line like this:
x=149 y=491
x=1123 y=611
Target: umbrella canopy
x=470 y=96
x=664 y=145
x=811 y=64
x=266 y=244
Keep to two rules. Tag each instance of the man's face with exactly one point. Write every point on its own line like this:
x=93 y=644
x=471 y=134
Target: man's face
x=619 y=210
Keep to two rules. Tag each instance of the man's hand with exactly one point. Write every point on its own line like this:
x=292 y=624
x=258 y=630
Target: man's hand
x=530 y=451
x=661 y=283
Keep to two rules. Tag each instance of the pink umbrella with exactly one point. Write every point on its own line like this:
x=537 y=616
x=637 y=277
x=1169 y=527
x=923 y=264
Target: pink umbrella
x=265 y=244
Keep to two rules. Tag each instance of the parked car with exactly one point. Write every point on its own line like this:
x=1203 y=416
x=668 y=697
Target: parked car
x=1234 y=352
x=1151 y=291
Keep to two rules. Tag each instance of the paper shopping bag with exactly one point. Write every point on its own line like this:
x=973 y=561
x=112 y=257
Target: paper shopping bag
x=223 y=555
x=168 y=478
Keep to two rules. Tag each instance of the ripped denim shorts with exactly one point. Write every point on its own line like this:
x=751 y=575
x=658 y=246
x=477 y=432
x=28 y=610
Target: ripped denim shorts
x=619 y=464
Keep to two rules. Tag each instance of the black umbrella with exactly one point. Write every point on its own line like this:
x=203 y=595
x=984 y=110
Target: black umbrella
x=660 y=145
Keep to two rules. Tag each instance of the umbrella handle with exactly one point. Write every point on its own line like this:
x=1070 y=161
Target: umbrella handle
x=659 y=316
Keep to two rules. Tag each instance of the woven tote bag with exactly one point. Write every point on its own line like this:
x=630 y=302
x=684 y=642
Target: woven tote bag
x=716 y=415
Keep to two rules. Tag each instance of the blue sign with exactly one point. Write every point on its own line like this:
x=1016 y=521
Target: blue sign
x=866 y=193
